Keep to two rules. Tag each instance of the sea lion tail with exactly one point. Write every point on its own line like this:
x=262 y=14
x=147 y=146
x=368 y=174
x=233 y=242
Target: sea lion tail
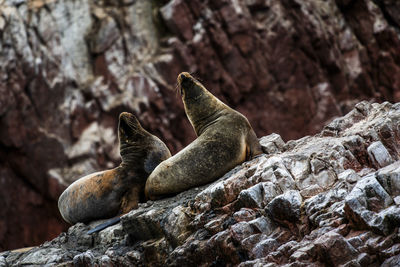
x=103 y=226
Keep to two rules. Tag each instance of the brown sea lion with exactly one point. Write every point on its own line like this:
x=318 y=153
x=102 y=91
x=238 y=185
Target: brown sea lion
x=106 y=194
x=225 y=139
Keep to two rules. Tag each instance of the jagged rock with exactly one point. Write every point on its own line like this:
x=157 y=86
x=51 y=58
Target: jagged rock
x=256 y=215
x=84 y=259
x=379 y=154
x=289 y=66
x=285 y=207
x=366 y=203
x=333 y=249
x=252 y=197
x=272 y=143
x=393 y=261
x=389 y=178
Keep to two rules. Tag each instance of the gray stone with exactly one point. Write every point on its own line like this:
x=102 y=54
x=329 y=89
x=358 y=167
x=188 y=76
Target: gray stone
x=332 y=247
x=244 y=214
x=84 y=259
x=241 y=230
x=263 y=225
x=349 y=176
x=111 y=234
x=264 y=247
x=379 y=154
x=285 y=207
x=252 y=197
x=41 y=257
x=272 y=143
x=397 y=200
x=322 y=206
x=216 y=225
x=105 y=261
x=3 y=262
x=317 y=165
x=389 y=178
x=364 y=202
x=311 y=191
x=270 y=190
x=391 y=262
x=176 y=225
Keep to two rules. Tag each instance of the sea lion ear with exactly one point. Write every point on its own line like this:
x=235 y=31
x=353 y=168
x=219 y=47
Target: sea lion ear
x=128 y=127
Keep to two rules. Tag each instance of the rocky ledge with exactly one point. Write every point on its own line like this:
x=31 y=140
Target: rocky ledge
x=325 y=200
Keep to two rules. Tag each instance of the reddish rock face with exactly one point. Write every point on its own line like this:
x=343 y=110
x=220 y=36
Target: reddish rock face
x=68 y=69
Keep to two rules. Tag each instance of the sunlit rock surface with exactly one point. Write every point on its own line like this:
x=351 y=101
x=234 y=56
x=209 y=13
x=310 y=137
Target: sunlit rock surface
x=322 y=200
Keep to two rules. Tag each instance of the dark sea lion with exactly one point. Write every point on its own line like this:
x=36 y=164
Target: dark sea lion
x=225 y=139
x=106 y=194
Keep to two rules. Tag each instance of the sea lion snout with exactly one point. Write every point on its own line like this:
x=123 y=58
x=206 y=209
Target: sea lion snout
x=183 y=77
x=125 y=115
x=190 y=88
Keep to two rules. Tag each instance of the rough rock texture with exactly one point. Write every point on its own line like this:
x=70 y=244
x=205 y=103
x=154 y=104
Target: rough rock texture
x=67 y=68
x=323 y=200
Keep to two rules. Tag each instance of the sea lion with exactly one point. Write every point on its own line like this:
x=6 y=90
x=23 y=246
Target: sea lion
x=225 y=139
x=106 y=194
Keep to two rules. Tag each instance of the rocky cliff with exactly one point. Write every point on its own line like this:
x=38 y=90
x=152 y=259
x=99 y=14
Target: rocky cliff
x=67 y=68
x=325 y=200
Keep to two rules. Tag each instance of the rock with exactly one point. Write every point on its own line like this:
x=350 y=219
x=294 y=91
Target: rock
x=110 y=234
x=263 y=225
x=289 y=66
x=216 y=225
x=264 y=247
x=177 y=225
x=285 y=207
x=272 y=143
x=270 y=191
x=365 y=203
x=349 y=176
x=244 y=214
x=332 y=248
x=105 y=261
x=3 y=261
x=389 y=178
x=84 y=259
x=379 y=154
x=41 y=257
x=252 y=197
x=315 y=206
x=393 y=261
x=264 y=212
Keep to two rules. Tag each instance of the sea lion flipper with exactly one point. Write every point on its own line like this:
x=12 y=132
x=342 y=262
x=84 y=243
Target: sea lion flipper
x=103 y=226
x=253 y=145
x=131 y=199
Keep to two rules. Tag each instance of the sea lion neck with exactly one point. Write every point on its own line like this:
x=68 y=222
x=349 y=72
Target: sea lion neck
x=133 y=140
x=201 y=117
x=201 y=106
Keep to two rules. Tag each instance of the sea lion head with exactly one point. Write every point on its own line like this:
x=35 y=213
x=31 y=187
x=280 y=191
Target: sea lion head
x=201 y=106
x=140 y=151
x=190 y=88
x=129 y=130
